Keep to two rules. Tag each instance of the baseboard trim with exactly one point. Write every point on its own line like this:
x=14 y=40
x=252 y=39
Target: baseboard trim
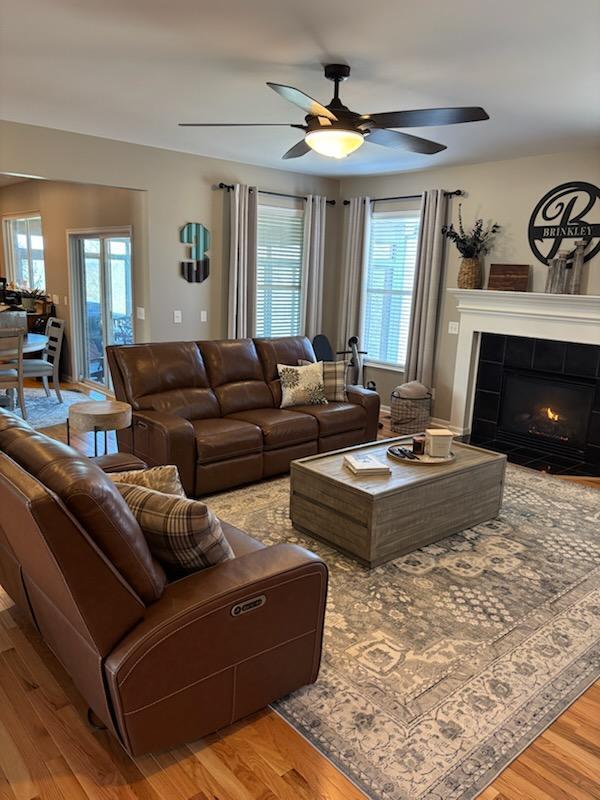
x=445 y=423
x=436 y=422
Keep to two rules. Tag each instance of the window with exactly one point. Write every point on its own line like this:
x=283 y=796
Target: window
x=279 y=270
x=389 y=285
x=24 y=251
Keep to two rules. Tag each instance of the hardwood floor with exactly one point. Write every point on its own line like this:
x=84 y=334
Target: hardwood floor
x=48 y=752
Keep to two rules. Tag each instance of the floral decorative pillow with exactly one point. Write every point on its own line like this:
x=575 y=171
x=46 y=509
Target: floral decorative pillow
x=302 y=386
x=334 y=379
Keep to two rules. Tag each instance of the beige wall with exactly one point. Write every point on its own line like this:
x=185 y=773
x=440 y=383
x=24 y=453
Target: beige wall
x=504 y=191
x=68 y=207
x=179 y=188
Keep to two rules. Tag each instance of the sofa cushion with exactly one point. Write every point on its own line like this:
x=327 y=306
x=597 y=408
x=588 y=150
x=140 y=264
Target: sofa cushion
x=218 y=439
x=336 y=417
x=282 y=350
x=164 y=376
x=302 y=385
x=181 y=533
x=236 y=375
x=334 y=379
x=164 y=478
x=193 y=403
x=92 y=499
x=280 y=427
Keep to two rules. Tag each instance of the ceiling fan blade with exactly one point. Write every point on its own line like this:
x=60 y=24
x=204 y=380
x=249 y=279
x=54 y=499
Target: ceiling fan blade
x=237 y=124
x=299 y=149
x=421 y=117
x=302 y=100
x=406 y=141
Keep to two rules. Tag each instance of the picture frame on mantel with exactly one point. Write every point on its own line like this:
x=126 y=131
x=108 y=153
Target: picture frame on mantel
x=509 y=277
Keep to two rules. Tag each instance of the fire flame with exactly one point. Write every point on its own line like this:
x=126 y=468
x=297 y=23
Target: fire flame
x=552 y=415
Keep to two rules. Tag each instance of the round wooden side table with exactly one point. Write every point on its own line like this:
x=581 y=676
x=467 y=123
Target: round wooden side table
x=98 y=416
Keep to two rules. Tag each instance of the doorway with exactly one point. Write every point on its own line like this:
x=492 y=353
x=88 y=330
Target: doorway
x=101 y=273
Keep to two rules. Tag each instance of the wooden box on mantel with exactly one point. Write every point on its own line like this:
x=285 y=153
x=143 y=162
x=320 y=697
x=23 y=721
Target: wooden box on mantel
x=377 y=519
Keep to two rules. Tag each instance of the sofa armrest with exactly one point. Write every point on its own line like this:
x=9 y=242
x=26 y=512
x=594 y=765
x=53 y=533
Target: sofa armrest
x=160 y=438
x=119 y=462
x=224 y=641
x=371 y=402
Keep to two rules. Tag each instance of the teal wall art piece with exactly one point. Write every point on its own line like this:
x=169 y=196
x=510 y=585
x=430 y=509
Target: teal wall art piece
x=196 y=268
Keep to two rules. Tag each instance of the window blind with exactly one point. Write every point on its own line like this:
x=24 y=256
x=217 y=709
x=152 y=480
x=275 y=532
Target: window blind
x=279 y=270
x=389 y=284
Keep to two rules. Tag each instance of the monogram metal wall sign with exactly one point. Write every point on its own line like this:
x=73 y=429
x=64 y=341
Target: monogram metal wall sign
x=568 y=212
x=196 y=268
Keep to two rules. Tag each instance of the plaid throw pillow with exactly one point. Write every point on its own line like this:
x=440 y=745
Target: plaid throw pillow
x=180 y=533
x=302 y=386
x=334 y=379
x=162 y=479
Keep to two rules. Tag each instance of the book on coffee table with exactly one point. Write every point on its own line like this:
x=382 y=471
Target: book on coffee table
x=363 y=464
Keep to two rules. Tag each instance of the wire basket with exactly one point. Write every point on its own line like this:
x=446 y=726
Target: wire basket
x=409 y=415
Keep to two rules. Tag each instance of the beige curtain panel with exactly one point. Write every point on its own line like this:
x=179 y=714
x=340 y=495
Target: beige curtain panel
x=355 y=236
x=313 y=265
x=426 y=294
x=243 y=202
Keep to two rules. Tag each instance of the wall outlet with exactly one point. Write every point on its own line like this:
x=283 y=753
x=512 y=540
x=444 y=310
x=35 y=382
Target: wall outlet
x=204 y=316
x=453 y=328
x=140 y=312
x=177 y=316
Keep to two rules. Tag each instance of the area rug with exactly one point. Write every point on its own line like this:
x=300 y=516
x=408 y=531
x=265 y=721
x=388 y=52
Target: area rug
x=43 y=412
x=439 y=668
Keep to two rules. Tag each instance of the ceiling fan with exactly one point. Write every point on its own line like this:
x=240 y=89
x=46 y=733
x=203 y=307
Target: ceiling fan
x=336 y=131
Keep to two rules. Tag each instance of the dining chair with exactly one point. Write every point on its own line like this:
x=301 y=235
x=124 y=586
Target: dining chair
x=48 y=366
x=11 y=373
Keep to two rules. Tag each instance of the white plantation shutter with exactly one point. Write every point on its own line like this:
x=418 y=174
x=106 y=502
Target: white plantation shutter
x=389 y=282
x=279 y=270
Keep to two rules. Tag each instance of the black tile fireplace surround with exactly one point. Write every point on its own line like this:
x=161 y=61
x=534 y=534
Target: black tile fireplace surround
x=538 y=401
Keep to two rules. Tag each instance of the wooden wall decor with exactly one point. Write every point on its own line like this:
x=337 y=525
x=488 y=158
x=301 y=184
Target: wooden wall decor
x=509 y=277
x=569 y=211
x=195 y=269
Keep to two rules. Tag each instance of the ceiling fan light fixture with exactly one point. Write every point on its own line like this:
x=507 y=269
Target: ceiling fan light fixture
x=334 y=142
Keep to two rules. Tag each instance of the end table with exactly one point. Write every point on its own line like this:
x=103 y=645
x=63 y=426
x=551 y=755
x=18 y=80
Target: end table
x=97 y=416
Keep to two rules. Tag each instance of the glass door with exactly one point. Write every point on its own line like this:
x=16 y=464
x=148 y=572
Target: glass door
x=103 y=283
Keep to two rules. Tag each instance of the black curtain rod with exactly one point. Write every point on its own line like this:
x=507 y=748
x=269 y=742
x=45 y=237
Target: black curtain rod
x=229 y=186
x=455 y=193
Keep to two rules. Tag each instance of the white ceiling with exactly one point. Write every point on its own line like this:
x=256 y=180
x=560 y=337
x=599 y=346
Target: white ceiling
x=131 y=69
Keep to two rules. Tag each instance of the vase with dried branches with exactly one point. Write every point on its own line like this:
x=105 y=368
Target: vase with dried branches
x=471 y=245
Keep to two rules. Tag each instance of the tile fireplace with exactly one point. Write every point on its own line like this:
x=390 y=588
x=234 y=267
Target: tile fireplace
x=538 y=401
x=521 y=356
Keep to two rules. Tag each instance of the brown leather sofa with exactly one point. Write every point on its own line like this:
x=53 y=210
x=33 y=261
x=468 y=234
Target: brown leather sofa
x=212 y=408
x=158 y=663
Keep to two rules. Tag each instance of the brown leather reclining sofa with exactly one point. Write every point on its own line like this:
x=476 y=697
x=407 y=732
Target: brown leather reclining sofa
x=158 y=663
x=212 y=408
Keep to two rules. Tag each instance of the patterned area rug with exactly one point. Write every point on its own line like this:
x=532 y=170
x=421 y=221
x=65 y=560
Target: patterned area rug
x=439 y=668
x=43 y=412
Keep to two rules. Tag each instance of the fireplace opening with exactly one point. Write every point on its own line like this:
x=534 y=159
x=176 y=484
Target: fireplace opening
x=546 y=412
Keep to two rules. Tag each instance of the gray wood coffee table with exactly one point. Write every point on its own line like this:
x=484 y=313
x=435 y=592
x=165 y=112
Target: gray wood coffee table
x=377 y=519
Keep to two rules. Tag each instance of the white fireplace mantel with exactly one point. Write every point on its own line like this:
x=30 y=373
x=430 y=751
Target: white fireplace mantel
x=562 y=317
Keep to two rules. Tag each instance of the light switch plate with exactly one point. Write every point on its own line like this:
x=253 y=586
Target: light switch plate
x=177 y=316
x=56 y=299
x=203 y=316
x=66 y=299
x=140 y=312
x=453 y=328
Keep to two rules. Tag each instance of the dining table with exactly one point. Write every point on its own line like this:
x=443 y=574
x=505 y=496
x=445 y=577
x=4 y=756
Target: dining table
x=32 y=343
